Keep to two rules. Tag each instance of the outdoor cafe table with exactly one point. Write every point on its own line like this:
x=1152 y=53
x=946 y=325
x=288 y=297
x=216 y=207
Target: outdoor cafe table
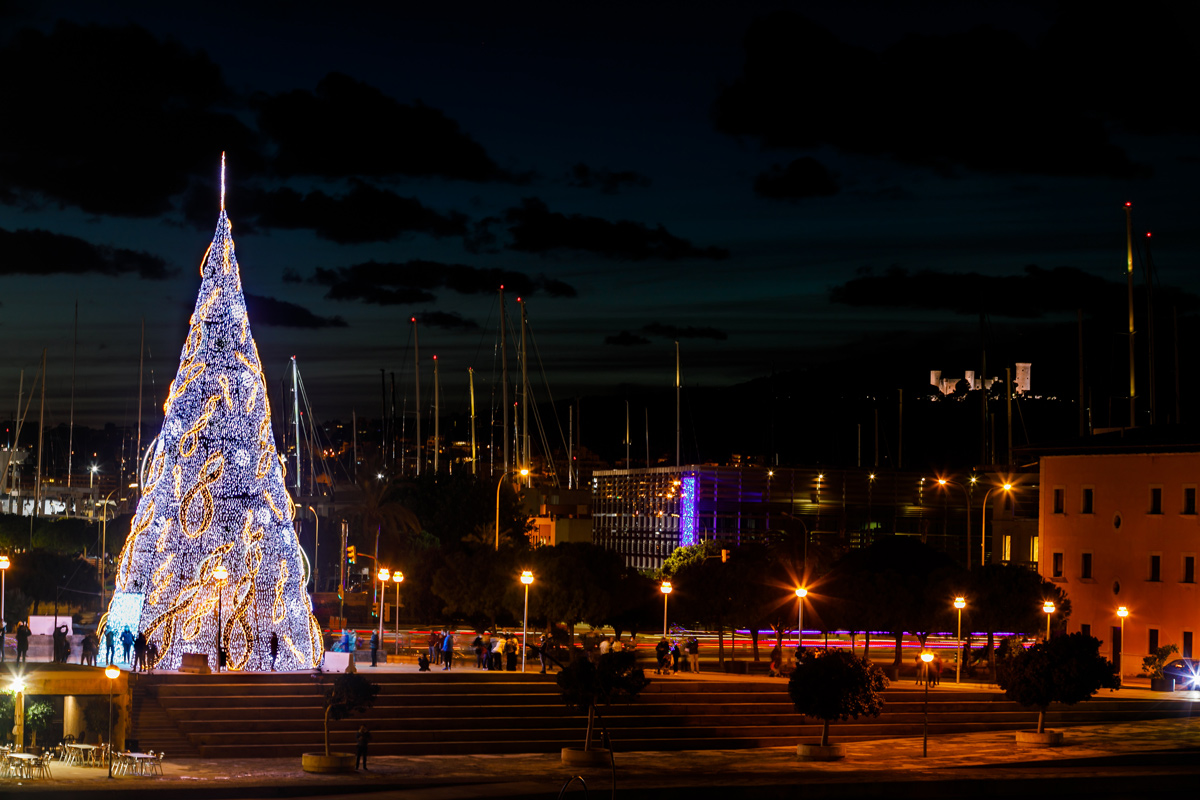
x=141 y=762
x=80 y=753
x=25 y=759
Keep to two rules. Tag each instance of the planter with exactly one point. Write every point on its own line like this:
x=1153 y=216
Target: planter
x=578 y=757
x=334 y=762
x=735 y=667
x=816 y=752
x=1162 y=684
x=1045 y=739
x=892 y=672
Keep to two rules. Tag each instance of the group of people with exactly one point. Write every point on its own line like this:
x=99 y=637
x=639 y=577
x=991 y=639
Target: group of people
x=497 y=652
x=440 y=651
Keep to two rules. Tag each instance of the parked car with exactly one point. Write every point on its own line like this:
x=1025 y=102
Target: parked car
x=1185 y=671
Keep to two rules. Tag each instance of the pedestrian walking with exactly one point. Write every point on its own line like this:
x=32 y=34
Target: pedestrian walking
x=661 y=650
x=693 y=651
x=23 y=634
x=274 y=649
x=447 y=650
x=374 y=648
x=362 y=739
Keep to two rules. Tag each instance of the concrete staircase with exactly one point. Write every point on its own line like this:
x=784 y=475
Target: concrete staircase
x=278 y=715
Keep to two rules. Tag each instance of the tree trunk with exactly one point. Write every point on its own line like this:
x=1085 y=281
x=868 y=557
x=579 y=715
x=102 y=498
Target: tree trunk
x=779 y=638
x=1041 y=720
x=866 y=645
x=721 y=645
x=587 y=739
x=754 y=641
x=825 y=733
x=991 y=656
x=851 y=641
x=327 y=710
x=899 y=659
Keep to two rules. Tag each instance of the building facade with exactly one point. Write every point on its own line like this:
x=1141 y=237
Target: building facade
x=1118 y=528
x=644 y=514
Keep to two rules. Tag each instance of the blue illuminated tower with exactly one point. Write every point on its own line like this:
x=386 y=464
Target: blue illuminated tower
x=213 y=494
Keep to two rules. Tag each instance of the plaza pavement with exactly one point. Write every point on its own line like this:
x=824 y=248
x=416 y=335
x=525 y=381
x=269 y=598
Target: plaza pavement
x=1136 y=759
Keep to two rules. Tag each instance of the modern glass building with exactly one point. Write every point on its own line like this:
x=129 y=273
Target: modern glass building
x=644 y=514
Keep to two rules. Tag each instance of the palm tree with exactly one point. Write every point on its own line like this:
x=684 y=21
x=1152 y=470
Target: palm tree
x=379 y=511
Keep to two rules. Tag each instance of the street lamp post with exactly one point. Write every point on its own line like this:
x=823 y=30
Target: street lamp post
x=1122 y=612
x=500 y=483
x=18 y=688
x=221 y=574
x=959 y=603
x=1048 y=607
x=385 y=575
x=397 y=578
x=926 y=657
x=112 y=673
x=967 y=495
x=104 y=541
x=983 y=523
x=4 y=565
x=526 y=578
x=801 y=593
x=666 y=592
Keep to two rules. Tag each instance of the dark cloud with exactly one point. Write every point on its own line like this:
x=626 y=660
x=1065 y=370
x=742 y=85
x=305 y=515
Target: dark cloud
x=292 y=276
x=804 y=177
x=690 y=332
x=347 y=127
x=448 y=321
x=1028 y=296
x=981 y=99
x=282 y=314
x=607 y=181
x=112 y=120
x=364 y=214
x=37 y=252
x=409 y=282
x=533 y=228
x=626 y=339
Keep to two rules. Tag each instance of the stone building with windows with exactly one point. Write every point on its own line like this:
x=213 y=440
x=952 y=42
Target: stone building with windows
x=1119 y=528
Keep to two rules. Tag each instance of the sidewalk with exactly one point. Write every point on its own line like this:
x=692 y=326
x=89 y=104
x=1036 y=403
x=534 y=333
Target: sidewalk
x=1096 y=759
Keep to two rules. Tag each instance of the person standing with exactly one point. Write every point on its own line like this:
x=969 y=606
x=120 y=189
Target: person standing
x=87 y=650
x=108 y=644
x=362 y=739
x=447 y=650
x=477 y=645
x=510 y=652
x=23 y=634
x=274 y=649
x=693 y=651
x=126 y=643
x=61 y=647
x=139 y=652
x=605 y=646
x=3 y=641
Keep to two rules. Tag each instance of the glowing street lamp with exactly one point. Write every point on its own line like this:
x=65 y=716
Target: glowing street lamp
x=1122 y=612
x=1048 y=607
x=112 y=672
x=801 y=593
x=397 y=578
x=666 y=592
x=926 y=657
x=500 y=483
x=960 y=603
x=92 y=470
x=526 y=578
x=385 y=575
x=983 y=523
x=221 y=574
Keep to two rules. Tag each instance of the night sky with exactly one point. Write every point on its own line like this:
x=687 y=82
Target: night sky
x=824 y=186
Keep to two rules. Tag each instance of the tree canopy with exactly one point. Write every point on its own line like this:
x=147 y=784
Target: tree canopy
x=1066 y=669
x=835 y=685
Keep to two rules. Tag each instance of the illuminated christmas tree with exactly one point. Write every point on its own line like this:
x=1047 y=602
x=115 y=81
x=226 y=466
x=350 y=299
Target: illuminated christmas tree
x=213 y=496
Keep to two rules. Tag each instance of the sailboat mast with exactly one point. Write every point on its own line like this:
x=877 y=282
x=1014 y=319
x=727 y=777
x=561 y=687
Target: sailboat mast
x=16 y=440
x=296 y=422
x=678 y=418
x=37 y=494
x=137 y=457
x=437 y=417
x=71 y=428
x=354 y=442
x=524 y=400
x=1129 y=275
x=471 y=376
x=1152 y=356
x=626 y=434
x=417 y=380
x=504 y=383
x=570 y=442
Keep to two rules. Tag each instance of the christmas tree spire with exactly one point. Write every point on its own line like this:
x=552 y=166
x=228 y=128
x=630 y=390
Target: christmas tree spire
x=214 y=502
